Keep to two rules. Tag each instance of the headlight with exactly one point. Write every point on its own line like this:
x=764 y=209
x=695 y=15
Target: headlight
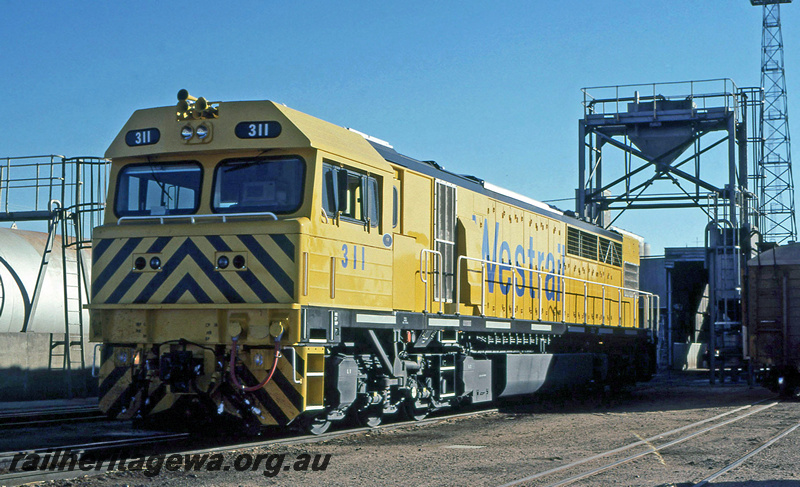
x=155 y=263
x=238 y=262
x=222 y=262
x=139 y=263
x=187 y=132
x=202 y=132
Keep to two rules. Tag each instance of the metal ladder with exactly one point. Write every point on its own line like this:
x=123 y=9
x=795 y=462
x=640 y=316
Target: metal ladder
x=724 y=253
x=71 y=349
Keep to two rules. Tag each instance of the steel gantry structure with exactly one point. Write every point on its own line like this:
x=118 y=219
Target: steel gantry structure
x=649 y=128
x=775 y=186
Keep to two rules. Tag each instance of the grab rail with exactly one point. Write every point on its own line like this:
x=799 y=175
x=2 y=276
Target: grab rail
x=423 y=274
x=192 y=218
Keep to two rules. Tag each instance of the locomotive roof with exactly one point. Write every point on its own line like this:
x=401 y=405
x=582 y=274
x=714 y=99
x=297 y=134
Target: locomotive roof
x=477 y=185
x=297 y=130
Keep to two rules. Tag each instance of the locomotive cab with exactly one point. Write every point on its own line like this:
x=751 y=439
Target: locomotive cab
x=207 y=256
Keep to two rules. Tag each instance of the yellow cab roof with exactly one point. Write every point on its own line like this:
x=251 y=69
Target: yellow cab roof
x=298 y=131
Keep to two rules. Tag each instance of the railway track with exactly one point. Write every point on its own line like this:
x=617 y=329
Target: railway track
x=594 y=465
x=43 y=416
x=747 y=456
x=97 y=450
x=166 y=443
x=617 y=462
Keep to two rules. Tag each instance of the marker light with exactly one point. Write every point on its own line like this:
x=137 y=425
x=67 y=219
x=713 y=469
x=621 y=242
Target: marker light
x=187 y=132
x=155 y=263
x=238 y=262
x=222 y=262
x=202 y=132
x=139 y=263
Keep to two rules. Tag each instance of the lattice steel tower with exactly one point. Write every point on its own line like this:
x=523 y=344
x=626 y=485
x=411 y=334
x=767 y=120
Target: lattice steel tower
x=774 y=171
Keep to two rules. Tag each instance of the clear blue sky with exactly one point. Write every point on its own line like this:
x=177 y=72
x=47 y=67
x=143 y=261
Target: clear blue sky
x=490 y=89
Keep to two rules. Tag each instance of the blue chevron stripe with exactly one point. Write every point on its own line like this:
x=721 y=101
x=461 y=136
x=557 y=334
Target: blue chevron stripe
x=123 y=287
x=265 y=398
x=285 y=244
x=218 y=244
x=99 y=249
x=123 y=254
x=188 y=249
x=187 y=284
x=269 y=263
x=262 y=292
x=159 y=245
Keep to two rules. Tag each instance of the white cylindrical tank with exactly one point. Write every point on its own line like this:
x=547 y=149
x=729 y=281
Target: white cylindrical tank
x=20 y=259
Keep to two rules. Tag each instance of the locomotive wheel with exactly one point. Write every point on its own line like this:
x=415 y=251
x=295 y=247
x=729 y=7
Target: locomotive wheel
x=371 y=416
x=416 y=411
x=318 y=425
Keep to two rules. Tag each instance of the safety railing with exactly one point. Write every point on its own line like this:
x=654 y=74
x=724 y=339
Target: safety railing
x=30 y=185
x=650 y=303
x=704 y=94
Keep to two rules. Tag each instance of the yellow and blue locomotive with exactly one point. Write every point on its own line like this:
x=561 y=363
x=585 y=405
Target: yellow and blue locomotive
x=262 y=265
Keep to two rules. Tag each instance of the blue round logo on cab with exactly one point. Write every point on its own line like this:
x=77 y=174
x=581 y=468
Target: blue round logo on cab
x=387 y=240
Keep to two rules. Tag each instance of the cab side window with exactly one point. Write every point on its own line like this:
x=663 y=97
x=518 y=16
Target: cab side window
x=352 y=194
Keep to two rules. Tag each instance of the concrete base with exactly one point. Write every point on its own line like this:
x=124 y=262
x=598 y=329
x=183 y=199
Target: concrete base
x=25 y=375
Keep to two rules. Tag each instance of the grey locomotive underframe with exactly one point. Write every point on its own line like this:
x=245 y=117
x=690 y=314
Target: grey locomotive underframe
x=377 y=359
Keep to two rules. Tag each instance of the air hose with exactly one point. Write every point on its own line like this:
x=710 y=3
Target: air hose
x=263 y=383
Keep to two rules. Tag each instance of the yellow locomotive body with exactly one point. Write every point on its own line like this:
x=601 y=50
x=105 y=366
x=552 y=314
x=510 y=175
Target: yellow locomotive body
x=264 y=265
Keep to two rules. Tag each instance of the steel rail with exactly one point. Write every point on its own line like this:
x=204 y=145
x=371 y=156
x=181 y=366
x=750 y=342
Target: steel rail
x=658 y=448
x=28 y=476
x=646 y=441
x=746 y=457
x=98 y=445
x=43 y=411
x=335 y=434
x=18 y=418
x=17 y=478
x=95 y=416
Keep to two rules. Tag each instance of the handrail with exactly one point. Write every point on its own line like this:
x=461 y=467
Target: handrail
x=95 y=369
x=224 y=216
x=294 y=365
x=638 y=294
x=423 y=256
